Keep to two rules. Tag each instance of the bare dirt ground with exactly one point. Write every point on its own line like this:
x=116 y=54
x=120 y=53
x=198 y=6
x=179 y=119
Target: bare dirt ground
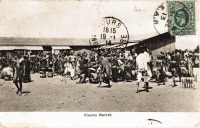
x=62 y=94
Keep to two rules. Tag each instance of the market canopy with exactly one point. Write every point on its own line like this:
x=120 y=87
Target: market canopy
x=34 y=48
x=12 y=48
x=128 y=45
x=119 y=45
x=6 y=48
x=21 y=48
x=60 y=47
x=109 y=46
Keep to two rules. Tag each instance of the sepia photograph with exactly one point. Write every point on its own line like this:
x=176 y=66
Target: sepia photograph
x=97 y=58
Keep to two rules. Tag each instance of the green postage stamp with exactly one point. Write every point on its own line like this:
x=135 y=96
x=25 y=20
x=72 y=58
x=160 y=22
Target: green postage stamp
x=181 y=17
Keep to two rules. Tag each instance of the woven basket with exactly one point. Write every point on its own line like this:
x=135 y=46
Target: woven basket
x=50 y=74
x=43 y=75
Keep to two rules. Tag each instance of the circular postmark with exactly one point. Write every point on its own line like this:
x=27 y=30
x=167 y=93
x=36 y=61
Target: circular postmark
x=160 y=18
x=110 y=31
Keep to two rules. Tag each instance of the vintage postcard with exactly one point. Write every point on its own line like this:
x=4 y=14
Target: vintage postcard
x=101 y=63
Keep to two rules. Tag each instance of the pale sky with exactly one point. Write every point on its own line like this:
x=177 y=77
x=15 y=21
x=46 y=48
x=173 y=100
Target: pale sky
x=78 y=19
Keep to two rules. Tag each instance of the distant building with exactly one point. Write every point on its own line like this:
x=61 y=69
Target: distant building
x=163 y=42
x=11 y=44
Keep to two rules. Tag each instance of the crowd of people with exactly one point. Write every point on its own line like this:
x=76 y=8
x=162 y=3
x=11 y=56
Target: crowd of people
x=104 y=66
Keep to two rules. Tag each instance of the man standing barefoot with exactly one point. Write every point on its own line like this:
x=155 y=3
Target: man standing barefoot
x=18 y=73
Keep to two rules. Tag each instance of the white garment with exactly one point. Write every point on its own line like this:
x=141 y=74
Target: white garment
x=169 y=57
x=186 y=56
x=147 y=56
x=130 y=58
x=148 y=59
x=139 y=76
x=67 y=68
x=72 y=72
x=72 y=58
x=21 y=60
x=71 y=69
x=141 y=62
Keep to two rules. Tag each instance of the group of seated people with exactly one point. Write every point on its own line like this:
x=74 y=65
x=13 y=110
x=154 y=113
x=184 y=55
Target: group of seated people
x=103 y=64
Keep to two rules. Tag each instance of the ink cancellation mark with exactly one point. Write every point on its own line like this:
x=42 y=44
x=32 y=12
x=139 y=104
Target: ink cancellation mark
x=160 y=18
x=110 y=31
x=181 y=17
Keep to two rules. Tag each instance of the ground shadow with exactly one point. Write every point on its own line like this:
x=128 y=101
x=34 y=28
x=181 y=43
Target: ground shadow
x=28 y=81
x=144 y=89
x=104 y=86
x=26 y=92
